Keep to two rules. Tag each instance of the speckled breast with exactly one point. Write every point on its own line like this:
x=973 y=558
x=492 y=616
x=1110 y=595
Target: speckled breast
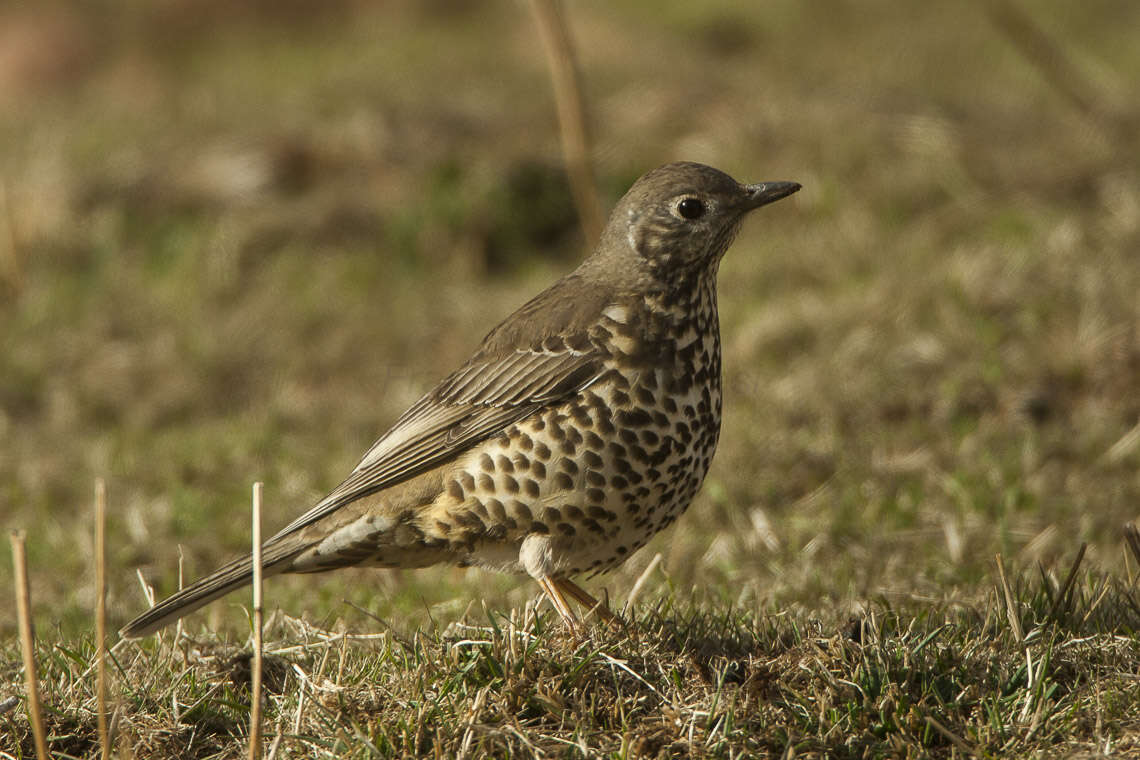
x=606 y=470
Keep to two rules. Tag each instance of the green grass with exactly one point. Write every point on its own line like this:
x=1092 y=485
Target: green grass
x=698 y=680
x=236 y=243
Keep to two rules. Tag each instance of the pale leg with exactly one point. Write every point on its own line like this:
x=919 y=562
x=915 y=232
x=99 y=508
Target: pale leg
x=550 y=587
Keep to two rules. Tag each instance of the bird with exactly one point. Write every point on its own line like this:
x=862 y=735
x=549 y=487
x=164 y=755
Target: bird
x=582 y=426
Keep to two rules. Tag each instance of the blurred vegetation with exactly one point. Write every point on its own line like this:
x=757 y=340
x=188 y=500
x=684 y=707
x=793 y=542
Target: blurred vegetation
x=237 y=240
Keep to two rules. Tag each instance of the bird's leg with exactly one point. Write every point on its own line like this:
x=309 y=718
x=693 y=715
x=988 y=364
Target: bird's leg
x=584 y=598
x=550 y=587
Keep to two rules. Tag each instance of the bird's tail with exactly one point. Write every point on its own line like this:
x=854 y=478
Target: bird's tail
x=275 y=560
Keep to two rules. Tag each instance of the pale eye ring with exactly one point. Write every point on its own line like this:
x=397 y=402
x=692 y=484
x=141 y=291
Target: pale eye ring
x=690 y=208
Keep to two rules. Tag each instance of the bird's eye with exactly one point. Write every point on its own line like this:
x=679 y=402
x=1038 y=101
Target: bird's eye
x=690 y=208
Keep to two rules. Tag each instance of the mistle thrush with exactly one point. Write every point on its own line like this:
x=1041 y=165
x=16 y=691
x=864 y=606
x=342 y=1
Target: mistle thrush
x=582 y=426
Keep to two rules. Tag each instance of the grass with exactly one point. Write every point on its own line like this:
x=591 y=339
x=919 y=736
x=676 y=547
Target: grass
x=696 y=680
x=236 y=256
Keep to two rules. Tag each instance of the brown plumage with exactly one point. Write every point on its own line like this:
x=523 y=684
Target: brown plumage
x=583 y=425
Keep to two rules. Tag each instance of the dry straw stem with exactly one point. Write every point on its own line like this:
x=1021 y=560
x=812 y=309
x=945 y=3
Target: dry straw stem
x=24 y=616
x=255 y=666
x=1059 y=602
x=634 y=592
x=571 y=114
x=956 y=740
x=1132 y=538
x=101 y=616
x=1010 y=605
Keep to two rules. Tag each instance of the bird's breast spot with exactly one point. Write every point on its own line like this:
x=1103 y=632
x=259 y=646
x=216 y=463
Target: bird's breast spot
x=689 y=338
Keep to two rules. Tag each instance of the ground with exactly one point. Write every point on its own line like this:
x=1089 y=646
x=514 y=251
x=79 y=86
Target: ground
x=236 y=242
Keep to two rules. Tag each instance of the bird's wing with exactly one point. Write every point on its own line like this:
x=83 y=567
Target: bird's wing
x=482 y=398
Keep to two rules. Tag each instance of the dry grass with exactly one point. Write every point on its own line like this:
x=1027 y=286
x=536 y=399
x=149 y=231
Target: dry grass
x=237 y=241
x=697 y=681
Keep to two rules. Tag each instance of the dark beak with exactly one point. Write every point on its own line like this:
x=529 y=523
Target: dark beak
x=763 y=193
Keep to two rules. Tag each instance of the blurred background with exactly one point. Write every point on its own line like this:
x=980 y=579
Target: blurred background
x=238 y=239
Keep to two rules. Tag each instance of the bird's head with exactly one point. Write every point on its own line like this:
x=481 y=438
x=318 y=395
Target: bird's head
x=681 y=218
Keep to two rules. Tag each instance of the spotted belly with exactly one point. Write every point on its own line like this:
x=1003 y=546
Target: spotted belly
x=598 y=476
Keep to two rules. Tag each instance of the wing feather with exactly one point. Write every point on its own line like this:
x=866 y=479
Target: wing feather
x=476 y=402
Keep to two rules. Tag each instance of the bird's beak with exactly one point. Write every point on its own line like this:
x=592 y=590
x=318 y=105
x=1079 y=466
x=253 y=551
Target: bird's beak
x=763 y=193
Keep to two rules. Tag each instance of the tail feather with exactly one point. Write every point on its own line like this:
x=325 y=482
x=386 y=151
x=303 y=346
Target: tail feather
x=229 y=577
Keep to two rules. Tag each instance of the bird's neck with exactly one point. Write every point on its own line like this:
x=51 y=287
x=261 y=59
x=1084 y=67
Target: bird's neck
x=685 y=319
x=690 y=297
